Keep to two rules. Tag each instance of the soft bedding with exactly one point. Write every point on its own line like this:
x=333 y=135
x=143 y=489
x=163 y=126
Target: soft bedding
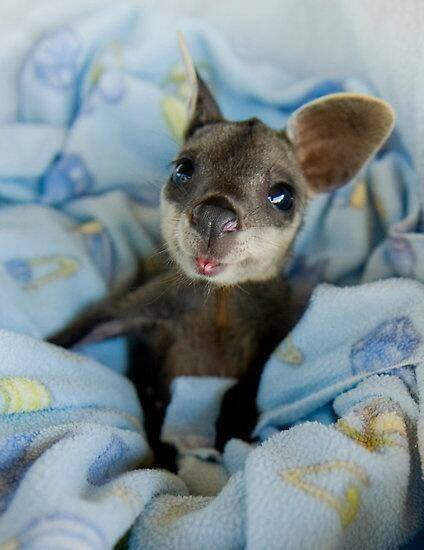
x=100 y=111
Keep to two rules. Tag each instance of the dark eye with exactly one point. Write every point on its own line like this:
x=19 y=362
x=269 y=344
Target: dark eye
x=183 y=172
x=281 y=196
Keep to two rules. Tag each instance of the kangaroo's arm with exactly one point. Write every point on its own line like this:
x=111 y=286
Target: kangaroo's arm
x=150 y=304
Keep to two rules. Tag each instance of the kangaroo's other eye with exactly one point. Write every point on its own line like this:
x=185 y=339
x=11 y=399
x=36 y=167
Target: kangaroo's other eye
x=281 y=196
x=183 y=172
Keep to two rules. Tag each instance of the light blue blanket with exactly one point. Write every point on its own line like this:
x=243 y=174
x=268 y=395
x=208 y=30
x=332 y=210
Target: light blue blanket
x=101 y=107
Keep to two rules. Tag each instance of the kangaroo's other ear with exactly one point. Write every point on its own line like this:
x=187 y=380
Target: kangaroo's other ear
x=202 y=107
x=334 y=136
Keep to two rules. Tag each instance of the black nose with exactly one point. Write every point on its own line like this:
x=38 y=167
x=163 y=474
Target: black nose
x=214 y=217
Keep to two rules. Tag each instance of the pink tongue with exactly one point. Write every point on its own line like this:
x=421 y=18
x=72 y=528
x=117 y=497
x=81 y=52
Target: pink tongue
x=206 y=265
x=209 y=267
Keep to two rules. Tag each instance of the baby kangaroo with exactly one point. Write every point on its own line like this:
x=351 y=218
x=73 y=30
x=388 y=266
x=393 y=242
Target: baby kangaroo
x=231 y=209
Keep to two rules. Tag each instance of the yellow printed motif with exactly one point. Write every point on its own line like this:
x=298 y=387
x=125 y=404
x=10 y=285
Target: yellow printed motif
x=113 y=59
x=289 y=353
x=358 y=198
x=174 y=109
x=63 y=267
x=382 y=425
x=346 y=506
x=34 y=273
x=23 y=395
x=175 y=114
x=92 y=227
x=174 y=105
x=12 y=544
x=123 y=493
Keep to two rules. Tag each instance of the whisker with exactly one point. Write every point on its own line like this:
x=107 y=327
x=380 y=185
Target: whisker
x=243 y=289
x=172 y=280
x=207 y=293
x=182 y=189
x=266 y=241
x=162 y=250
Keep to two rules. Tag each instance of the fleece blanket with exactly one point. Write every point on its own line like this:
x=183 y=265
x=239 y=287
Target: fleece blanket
x=100 y=107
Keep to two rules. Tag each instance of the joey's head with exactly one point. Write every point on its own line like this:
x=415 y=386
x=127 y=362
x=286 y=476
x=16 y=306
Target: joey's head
x=238 y=190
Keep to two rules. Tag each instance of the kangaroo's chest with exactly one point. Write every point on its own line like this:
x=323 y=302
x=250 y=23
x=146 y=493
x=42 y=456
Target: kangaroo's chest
x=221 y=335
x=205 y=346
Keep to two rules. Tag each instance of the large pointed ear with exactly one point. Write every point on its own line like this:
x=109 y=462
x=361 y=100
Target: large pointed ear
x=202 y=107
x=334 y=136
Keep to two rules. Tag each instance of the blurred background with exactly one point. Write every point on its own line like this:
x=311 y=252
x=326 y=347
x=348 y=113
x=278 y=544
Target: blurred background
x=378 y=40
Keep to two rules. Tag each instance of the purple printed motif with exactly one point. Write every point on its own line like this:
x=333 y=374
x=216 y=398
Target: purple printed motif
x=400 y=256
x=14 y=462
x=107 y=463
x=68 y=178
x=388 y=344
x=55 y=59
x=59 y=530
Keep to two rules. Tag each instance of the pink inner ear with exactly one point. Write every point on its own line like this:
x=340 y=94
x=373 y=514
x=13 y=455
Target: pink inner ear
x=329 y=147
x=333 y=138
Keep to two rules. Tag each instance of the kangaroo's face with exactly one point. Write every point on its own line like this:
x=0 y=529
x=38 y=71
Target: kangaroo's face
x=237 y=194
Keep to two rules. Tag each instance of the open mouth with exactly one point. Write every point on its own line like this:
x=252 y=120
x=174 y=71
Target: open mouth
x=208 y=266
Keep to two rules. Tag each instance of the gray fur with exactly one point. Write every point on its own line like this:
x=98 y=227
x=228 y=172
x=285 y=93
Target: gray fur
x=229 y=323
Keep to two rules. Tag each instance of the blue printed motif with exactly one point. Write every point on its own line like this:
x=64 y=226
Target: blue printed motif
x=390 y=343
x=68 y=178
x=14 y=462
x=407 y=375
x=19 y=269
x=11 y=450
x=102 y=469
x=400 y=256
x=111 y=85
x=101 y=250
x=340 y=198
x=55 y=59
x=61 y=530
